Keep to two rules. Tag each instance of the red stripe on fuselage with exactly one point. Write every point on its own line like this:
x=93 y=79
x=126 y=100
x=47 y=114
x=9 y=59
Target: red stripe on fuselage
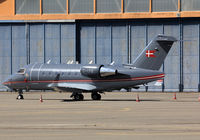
x=108 y=80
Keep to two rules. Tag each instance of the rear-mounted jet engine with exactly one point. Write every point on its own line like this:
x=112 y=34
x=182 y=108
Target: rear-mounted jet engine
x=95 y=71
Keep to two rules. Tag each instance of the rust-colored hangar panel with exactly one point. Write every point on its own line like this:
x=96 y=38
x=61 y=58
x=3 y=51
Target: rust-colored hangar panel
x=96 y=9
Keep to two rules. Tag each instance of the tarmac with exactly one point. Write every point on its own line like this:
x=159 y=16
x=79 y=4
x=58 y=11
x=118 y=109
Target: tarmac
x=117 y=116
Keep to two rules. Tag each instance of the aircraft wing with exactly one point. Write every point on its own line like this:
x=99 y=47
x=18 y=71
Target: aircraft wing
x=72 y=86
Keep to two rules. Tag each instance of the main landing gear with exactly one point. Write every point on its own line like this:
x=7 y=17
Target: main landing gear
x=95 y=96
x=77 y=96
x=20 y=96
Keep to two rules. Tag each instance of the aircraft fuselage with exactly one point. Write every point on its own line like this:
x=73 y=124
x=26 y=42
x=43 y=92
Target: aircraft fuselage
x=40 y=77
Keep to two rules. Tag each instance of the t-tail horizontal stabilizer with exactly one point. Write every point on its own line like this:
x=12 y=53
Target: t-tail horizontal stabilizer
x=153 y=56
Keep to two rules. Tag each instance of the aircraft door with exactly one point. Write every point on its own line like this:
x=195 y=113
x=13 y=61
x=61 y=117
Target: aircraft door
x=34 y=76
x=34 y=72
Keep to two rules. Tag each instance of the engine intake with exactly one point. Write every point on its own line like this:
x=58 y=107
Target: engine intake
x=95 y=71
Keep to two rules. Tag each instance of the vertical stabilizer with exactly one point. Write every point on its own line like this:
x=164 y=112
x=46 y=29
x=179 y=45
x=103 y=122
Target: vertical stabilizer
x=153 y=56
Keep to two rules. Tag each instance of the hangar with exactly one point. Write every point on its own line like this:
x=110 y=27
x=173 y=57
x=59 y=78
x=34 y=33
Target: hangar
x=101 y=31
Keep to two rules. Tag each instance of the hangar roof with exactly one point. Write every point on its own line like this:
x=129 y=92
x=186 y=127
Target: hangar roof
x=97 y=9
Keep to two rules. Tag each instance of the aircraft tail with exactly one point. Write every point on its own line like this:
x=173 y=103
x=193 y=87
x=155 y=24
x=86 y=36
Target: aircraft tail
x=153 y=56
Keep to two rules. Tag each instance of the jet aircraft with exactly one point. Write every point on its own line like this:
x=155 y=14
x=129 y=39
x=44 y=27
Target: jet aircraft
x=94 y=78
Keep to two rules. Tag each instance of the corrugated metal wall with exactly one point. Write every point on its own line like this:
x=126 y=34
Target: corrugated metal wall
x=5 y=52
x=190 y=56
x=21 y=44
x=172 y=62
x=87 y=41
x=122 y=41
x=103 y=42
x=36 y=43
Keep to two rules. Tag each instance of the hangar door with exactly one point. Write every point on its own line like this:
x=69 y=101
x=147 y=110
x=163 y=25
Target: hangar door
x=190 y=56
x=103 y=43
x=22 y=44
x=122 y=42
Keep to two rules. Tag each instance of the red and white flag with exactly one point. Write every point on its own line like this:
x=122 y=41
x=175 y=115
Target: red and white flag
x=150 y=53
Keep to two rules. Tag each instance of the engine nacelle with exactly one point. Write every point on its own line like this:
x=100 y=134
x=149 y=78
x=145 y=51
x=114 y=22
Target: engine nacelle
x=95 y=71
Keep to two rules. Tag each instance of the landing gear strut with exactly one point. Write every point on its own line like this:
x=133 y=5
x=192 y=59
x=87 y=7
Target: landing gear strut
x=95 y=96
x=77 y=96
x=20 y=96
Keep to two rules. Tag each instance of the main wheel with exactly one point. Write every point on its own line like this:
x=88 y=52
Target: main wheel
x=78 y=97
x=81 y=97
x=96 y=96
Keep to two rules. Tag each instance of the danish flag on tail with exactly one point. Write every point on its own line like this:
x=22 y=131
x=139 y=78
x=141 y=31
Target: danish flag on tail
x=150 y=53
x=153 y=56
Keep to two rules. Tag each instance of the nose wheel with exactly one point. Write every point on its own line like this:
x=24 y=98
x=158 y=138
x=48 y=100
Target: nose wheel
x=95 y=96
x=20 y=96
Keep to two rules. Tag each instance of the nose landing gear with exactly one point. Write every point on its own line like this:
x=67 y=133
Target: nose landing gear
x=20 y=96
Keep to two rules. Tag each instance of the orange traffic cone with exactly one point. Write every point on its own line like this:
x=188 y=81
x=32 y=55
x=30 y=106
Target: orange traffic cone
x=199 y=98
x=174 y=96
x=41 y=100
x=137 y=98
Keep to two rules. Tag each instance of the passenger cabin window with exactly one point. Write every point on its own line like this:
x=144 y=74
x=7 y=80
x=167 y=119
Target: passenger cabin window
x=21 y=71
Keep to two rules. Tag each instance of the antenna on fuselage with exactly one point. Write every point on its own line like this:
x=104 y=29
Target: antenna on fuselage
x=91 y=61
x=49 y=61
x=72 y=62
x=112 y=63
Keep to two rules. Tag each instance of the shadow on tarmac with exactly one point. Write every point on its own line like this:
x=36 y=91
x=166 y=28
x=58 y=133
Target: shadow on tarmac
x=104 y=100
x=113 y=100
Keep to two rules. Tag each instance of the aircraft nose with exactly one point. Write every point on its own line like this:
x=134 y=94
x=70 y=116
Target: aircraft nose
x=7 y=81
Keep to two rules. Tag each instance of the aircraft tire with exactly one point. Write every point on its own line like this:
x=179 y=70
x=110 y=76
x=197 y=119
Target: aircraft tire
x=78 y=97
x=20 y=97
x=96 y=96
x=82 y=97
x=99 y=97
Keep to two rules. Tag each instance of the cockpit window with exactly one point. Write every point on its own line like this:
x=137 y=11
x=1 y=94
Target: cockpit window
x=21 y=71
